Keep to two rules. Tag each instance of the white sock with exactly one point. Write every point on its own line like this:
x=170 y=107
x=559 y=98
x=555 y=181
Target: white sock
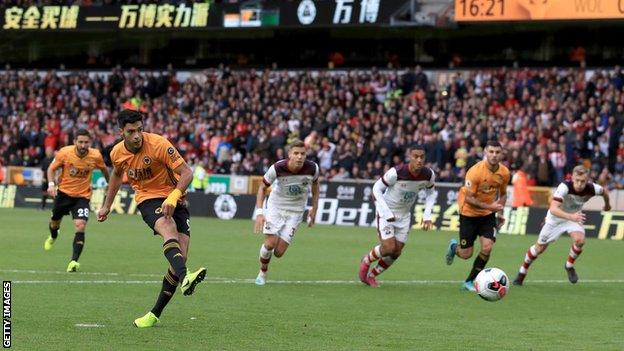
x=264 y=253
x=575 y=251
x=265 y=258
x=373 y=255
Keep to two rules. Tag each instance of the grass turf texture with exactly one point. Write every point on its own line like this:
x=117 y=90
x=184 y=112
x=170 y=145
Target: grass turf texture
x=122 y=268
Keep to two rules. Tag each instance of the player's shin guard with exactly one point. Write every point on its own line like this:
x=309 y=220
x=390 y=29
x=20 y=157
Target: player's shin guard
x=171 y=249
x=170 y=282
x=265 y=258
x=531 y=255
x=477 y=266
x=575 y=252
x=383 y=264
x=79 y=240
x=53 y=231
x=373 y=255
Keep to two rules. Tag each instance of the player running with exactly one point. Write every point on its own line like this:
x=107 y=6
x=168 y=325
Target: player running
x=74 y=190
x=159 y=177
x=484 y=193
x=290 y=180
x=395 y=193
x=565 y=215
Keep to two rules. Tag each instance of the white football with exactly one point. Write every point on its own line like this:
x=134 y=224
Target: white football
x=492 y=284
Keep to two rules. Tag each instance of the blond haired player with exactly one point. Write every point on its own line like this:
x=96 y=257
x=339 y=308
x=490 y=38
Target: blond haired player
x=290 y=180
x=565 y=216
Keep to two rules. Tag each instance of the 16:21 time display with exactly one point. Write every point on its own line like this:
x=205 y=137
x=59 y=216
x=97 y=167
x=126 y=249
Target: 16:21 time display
x=482 y=7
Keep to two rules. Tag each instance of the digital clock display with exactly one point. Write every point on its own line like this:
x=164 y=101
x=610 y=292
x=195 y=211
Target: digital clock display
x=537 y=10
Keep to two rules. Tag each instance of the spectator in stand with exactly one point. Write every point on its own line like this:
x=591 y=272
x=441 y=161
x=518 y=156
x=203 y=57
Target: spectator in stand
x=240 y=121
x=521 y=194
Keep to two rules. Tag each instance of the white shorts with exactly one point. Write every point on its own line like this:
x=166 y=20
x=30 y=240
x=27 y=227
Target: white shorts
x=397 y=229
x=282 y=223
x=552 y=232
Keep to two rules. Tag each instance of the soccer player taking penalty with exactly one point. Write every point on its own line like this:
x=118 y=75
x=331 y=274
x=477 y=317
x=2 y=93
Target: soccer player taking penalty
x=159 y=177
x=395 y=194
x=290 y=180
x=565 y=215
x=483 y=195
x=74 y=190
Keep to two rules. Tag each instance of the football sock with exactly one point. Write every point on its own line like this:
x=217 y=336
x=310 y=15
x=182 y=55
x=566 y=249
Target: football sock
x=575 y=251
x=171 y=249
x=265 y=258
x=531 y=255
x=477 y=266
x=373 y=255
x=53 y=231
x=79 y=239
x=170 y=281
x=383 y=264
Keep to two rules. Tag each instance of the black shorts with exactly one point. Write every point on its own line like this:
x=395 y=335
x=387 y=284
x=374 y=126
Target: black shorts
x=151 y=212
x=472 y=227
x=64 y=204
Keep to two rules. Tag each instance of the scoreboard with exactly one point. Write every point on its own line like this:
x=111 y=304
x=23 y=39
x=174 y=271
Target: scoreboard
x=537 y=10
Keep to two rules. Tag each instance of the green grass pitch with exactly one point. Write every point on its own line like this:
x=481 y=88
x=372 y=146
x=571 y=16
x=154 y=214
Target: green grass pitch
x=312 y=300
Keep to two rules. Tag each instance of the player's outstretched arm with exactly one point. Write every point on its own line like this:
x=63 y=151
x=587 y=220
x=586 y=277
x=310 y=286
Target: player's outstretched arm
x=102 y=167
x=471 y=199
x=51 y=172
x=186 y=176
x=556 y=210
x=105 y=173
x=114 y=183
x=500 y=217
x=259 y=212
x=382 y=207
x=429 y=202
x=315 y=197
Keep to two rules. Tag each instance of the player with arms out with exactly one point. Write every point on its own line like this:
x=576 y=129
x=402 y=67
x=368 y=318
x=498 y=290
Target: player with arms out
x=483 y=195
x=564 y=215
x=290 y=180
x=395 y=193
x=159 y=177
x=74 y=190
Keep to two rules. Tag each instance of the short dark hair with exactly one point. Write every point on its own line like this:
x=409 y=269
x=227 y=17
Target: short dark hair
x=82 y=132
x=493 y=143
x=419 y=147
x=128 y=116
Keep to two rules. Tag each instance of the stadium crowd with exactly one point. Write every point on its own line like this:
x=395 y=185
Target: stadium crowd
x=355 y=123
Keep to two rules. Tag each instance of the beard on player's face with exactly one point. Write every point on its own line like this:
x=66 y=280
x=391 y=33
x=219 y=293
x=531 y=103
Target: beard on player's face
x=133 y=139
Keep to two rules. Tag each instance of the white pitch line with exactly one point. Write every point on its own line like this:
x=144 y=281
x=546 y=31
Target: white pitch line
x=78 y=274
x=53 y=272
x=305 y=282
x=225 y=280
x=153 y=275
x=83 y=325
x=144 y=275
